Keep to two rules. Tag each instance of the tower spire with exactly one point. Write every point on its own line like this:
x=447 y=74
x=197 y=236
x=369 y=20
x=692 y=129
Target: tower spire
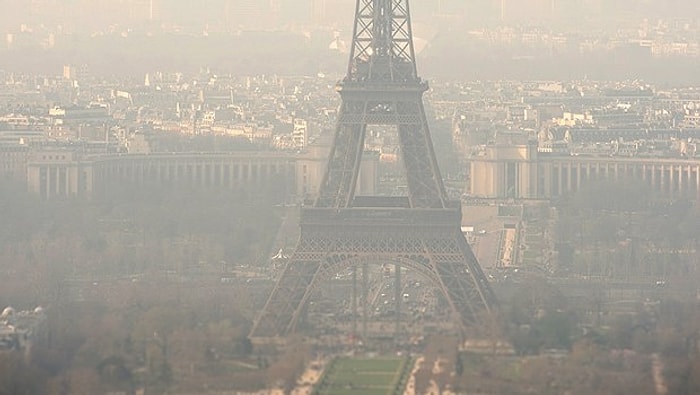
x=382 y=45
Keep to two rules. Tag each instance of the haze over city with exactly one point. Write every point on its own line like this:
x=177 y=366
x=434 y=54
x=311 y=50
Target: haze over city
x=83 y=15
x=456 y=39
x=349 y=196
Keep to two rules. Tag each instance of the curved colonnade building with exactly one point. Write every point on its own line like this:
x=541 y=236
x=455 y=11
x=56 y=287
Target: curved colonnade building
x=521 y=172
x=497 y=172
x=65 y=174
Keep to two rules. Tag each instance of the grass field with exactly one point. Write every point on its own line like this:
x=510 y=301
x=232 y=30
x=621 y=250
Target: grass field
x=353 y=376
x=531 y=255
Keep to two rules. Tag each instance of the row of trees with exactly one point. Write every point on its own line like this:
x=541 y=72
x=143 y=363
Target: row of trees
x=113 y=332
x=617 y=358
x=145 y=230
x=619 y=229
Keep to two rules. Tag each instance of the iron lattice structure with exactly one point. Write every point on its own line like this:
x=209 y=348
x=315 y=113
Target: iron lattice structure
x=421 y=232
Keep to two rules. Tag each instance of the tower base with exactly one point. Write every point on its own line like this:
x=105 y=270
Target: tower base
x=427 y=241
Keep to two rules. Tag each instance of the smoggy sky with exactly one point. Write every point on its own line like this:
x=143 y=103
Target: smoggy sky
x=95 y=15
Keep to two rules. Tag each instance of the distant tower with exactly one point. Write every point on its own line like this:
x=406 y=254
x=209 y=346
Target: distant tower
x=420 y=232
x=68 y=72
x=300 y=133
x=254 y=14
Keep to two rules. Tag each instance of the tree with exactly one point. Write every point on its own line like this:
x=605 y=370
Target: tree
x=555 y=330
x=285 y=371
x=242 y=346
x=17 y=377
x=115 y=373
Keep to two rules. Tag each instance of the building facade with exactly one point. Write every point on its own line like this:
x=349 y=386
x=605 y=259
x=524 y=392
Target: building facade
x=501 y=171
x=521 y=172
x=13 y=161
x=64 y=174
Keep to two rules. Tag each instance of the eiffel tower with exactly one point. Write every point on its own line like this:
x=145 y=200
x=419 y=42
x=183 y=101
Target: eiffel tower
x=420 y=232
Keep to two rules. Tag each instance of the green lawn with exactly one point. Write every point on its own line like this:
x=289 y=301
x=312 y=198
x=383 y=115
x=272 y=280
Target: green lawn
x=371 y=365
x=510 y=211
x=531 y=255
x=238 y=366
x=350 y=376
x=356 y=391
x=535 y=246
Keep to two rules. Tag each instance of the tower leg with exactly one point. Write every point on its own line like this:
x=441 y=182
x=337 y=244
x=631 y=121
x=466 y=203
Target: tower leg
x=397 y=303
x=354 y=302
x=366 y=307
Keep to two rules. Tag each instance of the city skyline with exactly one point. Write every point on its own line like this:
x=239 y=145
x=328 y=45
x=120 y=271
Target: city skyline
x=260 y=197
